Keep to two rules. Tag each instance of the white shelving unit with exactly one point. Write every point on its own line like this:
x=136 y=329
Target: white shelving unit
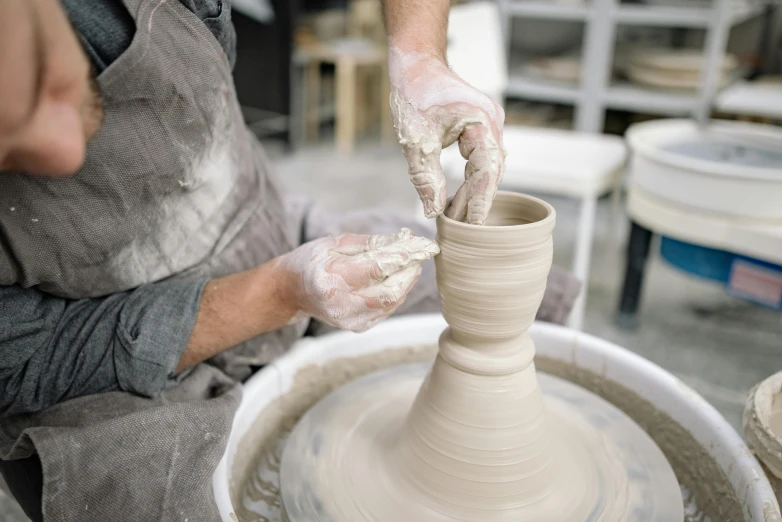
x=595 y=93
x=631 y=97
x=540 y=9
x=542 y=90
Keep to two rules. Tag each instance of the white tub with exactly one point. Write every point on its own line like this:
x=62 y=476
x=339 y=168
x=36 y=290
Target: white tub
x=561 y=345
x=707 y=181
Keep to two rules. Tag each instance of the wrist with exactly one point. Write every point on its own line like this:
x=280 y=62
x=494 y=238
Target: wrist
x=236 y=308
x=412 y=43
x=285 y=291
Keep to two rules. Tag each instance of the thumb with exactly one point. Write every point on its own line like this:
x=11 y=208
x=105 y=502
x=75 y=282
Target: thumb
x=364 y=269
x=388 y=293
x=426 y=173
x=352 y=244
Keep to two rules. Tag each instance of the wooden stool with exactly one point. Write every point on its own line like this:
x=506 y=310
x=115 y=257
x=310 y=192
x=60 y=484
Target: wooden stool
x=347 y=56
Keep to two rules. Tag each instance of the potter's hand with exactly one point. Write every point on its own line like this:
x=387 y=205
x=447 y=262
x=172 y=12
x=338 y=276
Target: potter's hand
x=351 y=281
x=432 y=108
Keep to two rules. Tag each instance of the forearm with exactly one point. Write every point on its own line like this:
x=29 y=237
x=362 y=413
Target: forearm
x=236 y=308
x=54 y=349
x=432 y=107
x=417 y=25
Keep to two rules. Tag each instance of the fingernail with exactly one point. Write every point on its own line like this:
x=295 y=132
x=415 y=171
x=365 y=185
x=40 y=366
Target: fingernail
x=476 y=219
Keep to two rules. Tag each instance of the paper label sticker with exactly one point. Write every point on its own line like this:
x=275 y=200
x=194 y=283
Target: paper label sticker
x=756 y=283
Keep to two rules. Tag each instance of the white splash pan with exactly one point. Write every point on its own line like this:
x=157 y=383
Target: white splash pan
x=711 y=183
x=635 y=373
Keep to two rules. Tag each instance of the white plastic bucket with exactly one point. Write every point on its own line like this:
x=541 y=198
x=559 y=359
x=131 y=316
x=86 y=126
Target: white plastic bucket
x=613 y=363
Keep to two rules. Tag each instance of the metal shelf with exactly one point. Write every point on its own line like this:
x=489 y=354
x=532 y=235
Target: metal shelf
x=628 y=96
x=662 y=16
x=693 y=17
x=549 y=10
x=744 y=13
x=542 y=90
x=601 y=17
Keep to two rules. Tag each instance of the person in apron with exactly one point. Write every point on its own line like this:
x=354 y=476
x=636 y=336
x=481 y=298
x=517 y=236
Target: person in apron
x=172 y=245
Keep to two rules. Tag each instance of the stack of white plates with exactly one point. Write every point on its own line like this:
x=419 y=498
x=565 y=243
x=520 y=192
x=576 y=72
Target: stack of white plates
x=565 y=69
x=673 y=69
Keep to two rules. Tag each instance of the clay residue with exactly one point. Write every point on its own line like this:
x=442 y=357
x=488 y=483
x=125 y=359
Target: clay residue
x=255 y=497
x=710 y=496
x=704 y=482
x=366 y=451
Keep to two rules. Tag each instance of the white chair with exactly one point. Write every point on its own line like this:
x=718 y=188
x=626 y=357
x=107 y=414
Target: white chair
x=552 y=161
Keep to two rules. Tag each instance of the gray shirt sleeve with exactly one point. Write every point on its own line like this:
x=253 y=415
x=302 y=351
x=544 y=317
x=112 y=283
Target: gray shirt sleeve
x=54 y=349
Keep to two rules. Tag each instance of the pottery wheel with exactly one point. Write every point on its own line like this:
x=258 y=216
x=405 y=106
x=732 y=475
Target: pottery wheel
x=339 y=464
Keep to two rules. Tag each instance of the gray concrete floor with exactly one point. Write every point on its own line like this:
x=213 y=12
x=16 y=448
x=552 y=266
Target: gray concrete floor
x=719 y=345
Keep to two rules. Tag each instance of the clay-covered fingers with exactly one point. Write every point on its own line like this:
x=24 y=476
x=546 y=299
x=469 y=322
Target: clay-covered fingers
x=390 y=293
x=351 y=244
x=483 y=173
x=382 y=258
x=44 y=88
x=426 y=173
x=353 y=281
x=386 y=296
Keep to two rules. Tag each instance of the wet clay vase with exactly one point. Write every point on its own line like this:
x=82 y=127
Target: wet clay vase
x=477 y=440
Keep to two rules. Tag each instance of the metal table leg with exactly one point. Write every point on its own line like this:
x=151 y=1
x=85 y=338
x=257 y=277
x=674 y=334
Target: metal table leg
x=637 y=254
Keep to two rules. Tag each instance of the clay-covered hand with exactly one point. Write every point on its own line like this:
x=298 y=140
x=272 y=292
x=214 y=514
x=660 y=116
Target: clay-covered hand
x=351 y=281
x=432 y=108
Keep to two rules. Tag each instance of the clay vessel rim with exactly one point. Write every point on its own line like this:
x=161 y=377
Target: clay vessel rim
x=550 y=215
